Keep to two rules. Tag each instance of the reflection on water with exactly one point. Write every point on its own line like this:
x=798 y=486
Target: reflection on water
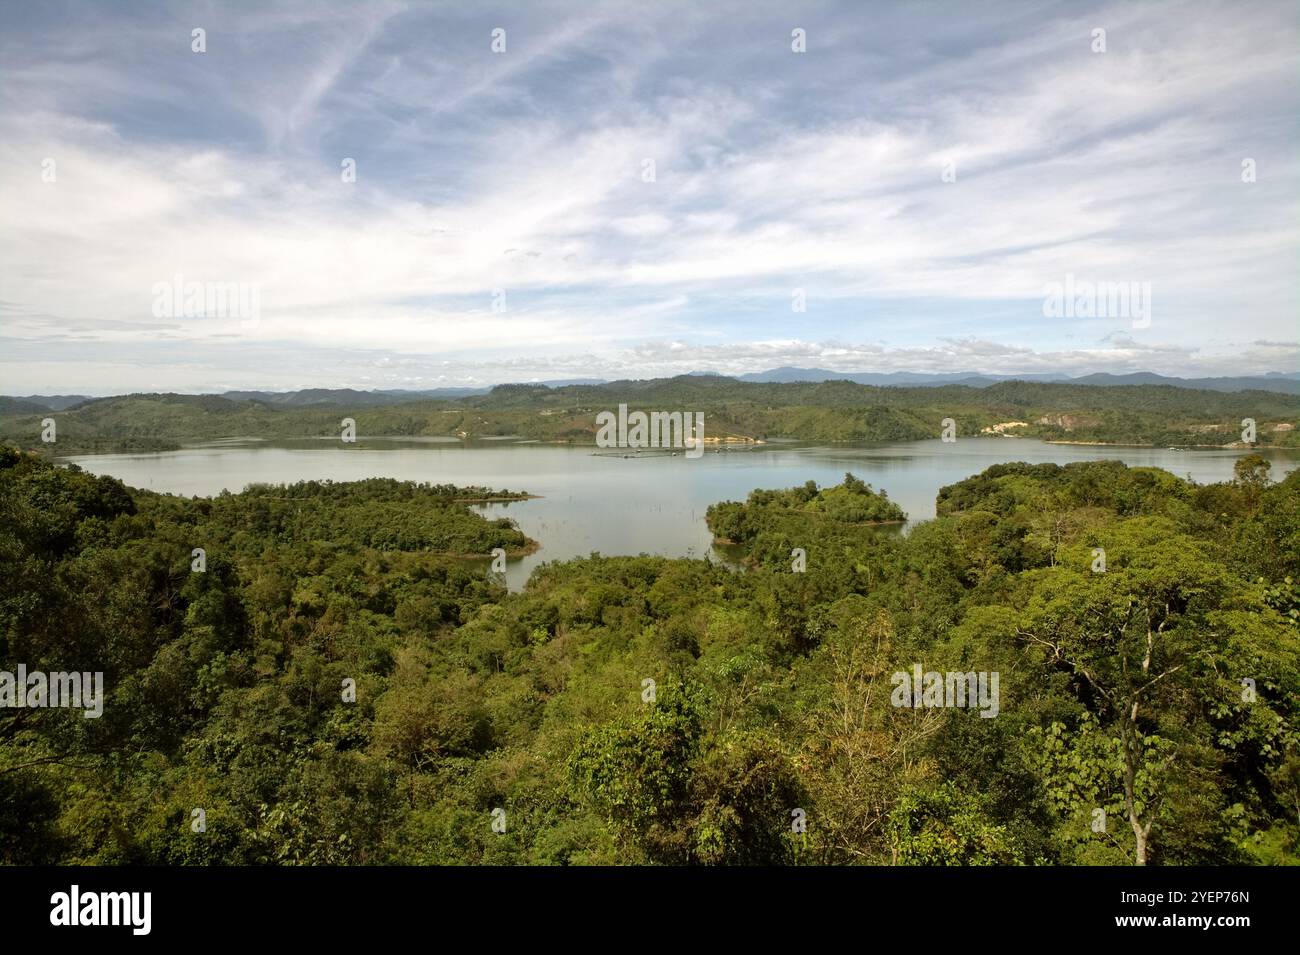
x=616 y=505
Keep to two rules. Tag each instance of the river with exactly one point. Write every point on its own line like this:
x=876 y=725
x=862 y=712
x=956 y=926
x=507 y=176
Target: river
x=626 y=505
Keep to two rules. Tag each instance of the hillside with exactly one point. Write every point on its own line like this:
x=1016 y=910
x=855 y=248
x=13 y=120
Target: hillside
x=331 y=689
x=833 y=411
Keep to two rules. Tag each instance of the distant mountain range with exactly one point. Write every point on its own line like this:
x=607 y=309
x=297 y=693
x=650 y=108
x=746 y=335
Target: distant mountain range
x=323 y=396
x=1273 y=381
x=29 y=404
x=1279 y=382
x=334 y=396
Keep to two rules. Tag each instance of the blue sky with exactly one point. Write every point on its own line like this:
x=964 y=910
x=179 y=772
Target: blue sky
x=519 y=177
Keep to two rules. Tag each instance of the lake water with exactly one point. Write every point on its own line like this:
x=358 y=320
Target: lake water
x=615 y=505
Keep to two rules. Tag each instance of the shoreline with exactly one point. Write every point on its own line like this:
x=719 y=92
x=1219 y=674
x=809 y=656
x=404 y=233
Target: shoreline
x=1235 y=446
x=712 y=444
x=512 y=553
x=522 y=496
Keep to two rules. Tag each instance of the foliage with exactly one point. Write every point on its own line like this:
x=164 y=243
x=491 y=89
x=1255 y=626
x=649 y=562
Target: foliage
x=1160 y=690
x=829 y=411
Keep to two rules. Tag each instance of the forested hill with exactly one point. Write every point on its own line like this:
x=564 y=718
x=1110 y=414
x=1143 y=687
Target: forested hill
x=832 y=411
x=329 y=688
x=777 y=522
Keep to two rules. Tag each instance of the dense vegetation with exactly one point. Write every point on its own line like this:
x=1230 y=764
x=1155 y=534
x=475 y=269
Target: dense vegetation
x=773 y=523
x=835 y=411
x=1121 y=684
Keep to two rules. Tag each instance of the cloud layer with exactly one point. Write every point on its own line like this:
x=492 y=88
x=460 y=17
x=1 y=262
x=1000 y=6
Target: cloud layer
x=628 y=192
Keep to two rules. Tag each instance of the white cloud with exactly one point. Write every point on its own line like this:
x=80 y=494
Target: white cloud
x=522 y=172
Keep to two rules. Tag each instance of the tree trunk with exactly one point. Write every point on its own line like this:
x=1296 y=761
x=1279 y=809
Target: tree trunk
x=1128 y=739
x=1140 y=853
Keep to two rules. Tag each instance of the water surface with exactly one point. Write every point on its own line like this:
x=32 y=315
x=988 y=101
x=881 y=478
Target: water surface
x=626 y=505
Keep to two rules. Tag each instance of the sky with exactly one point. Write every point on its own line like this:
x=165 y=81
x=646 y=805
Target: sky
x=398 y=195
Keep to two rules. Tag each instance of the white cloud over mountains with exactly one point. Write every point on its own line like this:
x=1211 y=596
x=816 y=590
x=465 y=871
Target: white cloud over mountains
x=522 y=172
